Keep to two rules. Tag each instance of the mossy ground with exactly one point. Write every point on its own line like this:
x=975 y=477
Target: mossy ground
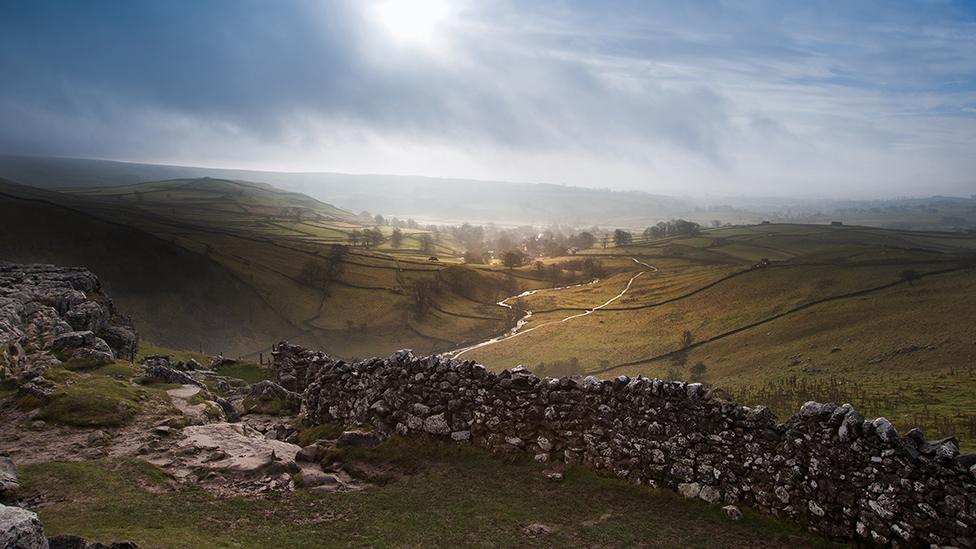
x=250 y=372
x=270 y=406
x=457 y=496
x=326 y=430
x=147 y=348
x=100 y=397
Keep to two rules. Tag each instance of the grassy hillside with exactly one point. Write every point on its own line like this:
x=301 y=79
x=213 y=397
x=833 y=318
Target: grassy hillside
x=298 y=257
x=877 y=317
x=462 y=200
x=209 y=200
x=351 y=300
x=449 y=200
x=176 y=297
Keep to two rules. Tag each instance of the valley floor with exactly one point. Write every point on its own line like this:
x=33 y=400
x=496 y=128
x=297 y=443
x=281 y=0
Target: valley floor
x=881 y=319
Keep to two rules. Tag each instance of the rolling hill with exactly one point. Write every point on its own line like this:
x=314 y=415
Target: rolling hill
x=464 y=200
x=295 y=256
x=176 y=297
x=773 y=313
x=876 y=317
x=448 y=200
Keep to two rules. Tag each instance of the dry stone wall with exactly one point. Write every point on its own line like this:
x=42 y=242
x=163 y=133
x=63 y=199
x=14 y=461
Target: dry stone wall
x=849 y=477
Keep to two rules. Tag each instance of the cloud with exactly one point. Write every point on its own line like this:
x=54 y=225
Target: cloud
x=719 y=97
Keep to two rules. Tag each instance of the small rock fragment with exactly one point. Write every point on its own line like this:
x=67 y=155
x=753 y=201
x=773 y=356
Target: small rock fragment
x=537 y=529
x=549 y=474
x=733 y=512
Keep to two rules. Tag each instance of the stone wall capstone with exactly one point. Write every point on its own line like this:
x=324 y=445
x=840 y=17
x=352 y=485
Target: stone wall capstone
x=849 y=477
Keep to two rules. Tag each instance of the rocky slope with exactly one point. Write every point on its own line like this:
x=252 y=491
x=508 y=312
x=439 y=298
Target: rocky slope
x=51 y=316
x=66 y=361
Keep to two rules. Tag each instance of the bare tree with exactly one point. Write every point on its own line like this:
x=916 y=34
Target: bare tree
x=355 y=236
x=422 y=297
x=426 y=244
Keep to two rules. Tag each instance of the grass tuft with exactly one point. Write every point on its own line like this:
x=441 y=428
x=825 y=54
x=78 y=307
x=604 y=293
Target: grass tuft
x=88 y=400
x=457 y=496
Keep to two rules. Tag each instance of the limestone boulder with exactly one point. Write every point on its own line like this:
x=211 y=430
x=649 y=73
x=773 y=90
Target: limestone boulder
x=21 y=529
x=237 y=448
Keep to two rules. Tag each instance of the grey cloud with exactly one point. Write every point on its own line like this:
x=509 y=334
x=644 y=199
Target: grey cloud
x=674 y=92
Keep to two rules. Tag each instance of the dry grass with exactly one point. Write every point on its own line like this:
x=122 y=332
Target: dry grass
x=906 y=352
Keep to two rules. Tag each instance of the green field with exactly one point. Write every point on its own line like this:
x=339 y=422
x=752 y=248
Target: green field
x=831 y=318
x=281 y=249
x=879 y=317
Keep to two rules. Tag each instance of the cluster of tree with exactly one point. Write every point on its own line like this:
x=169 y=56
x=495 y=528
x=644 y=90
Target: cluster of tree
x=513 y=258
x=482 y=243
x=589 y=267
x=622 y=237
x=552 y=272
x=366 y=237
x=675 y=227
x=379 y=220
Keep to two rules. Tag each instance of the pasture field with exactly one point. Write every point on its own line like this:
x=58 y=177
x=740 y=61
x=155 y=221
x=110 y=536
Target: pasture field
x=352 y=300
x=880 y=318
x=772 y=314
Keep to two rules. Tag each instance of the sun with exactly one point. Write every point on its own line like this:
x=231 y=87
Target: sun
x=412 y=21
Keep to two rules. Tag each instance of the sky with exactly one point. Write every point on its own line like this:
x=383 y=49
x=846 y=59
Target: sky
x=811 y=98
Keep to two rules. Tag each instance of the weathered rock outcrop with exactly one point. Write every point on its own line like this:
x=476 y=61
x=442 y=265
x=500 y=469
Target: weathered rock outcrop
x=21 y=529
x=50 y=315
x=161 y=371
x=190 y=365
x=237 y=448
x=849 y=477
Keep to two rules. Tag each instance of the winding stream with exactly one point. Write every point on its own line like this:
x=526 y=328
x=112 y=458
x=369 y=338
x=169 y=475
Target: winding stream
x=515 y=331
